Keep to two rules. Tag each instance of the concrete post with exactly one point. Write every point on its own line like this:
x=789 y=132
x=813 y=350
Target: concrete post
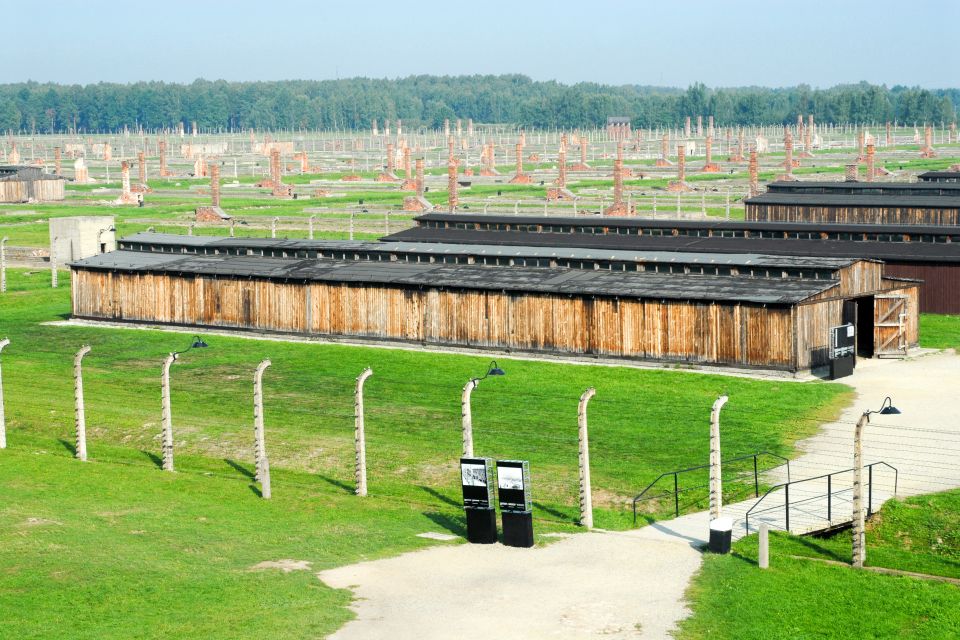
x=310 y=222
x=716 y=485
x=3 y=264
x=273 y=227
x=53 y=264
x=859 y=535
x=466 y=418
x=586 y=498
x=260 y=448
x=166 y=421
x=232 y=231
x=79 y=409
x=3 y=423
x=764 y=546
x=359 y=436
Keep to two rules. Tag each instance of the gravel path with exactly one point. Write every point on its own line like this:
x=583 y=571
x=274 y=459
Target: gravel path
x=600 y=584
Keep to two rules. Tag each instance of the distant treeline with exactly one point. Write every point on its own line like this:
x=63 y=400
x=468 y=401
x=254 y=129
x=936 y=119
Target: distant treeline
x=428 y=100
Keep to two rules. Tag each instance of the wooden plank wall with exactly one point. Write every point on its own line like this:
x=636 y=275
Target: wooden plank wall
x=851 y=215
x=705 y=333
x=37 y=190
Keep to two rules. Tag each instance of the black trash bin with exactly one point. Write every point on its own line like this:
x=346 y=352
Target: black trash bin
x=721 y=535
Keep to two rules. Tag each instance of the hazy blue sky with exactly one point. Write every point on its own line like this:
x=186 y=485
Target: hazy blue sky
x=751 y=42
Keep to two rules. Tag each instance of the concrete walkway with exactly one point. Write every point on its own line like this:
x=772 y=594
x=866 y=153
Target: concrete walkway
x=923 y=444
x=631 y=584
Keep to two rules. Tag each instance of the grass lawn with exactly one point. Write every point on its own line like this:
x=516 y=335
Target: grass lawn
x=97 y=551
x=799 y=598
x=643 y=423
x=939 y=331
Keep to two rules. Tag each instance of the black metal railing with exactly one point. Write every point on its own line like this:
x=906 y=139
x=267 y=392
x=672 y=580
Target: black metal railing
x=642 y=496
x=829 y=494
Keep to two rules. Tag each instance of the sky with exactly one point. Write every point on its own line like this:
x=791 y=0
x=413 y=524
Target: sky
x=664 y=43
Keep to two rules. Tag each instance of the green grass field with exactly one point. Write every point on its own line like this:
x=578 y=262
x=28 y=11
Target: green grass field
x=939 y=331
x=116 y=548
x=802 y=598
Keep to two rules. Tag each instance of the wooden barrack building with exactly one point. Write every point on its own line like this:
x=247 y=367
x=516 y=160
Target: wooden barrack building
x=779 y=319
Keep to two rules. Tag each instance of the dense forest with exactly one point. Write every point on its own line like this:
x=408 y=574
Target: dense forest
x=428 y=100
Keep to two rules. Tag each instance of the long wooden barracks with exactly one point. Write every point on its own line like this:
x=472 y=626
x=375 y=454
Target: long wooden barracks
x=924 y=252
x=746 y=309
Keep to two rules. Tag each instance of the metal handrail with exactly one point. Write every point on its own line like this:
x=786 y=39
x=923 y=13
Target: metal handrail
x=829 y=476
x=676 y=481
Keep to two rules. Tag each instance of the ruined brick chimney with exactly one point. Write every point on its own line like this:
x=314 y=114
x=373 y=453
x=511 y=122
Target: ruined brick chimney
x=664 y=159
x=870 y=162
x=520 y=177
x=754 y=170
x=56 y=160
x=164 y=172
x=710 y=166
x=452 y=200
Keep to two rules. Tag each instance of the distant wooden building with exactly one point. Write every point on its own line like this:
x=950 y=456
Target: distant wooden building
x=928 y=253
x=779 y=321
x=29 y=184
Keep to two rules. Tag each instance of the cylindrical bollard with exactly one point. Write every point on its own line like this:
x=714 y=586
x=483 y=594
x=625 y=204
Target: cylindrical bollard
x=764 y=546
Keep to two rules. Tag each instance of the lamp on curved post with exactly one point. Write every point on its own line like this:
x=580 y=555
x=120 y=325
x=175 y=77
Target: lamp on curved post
x=466 y=418
x=859 y=518
x=166 y=420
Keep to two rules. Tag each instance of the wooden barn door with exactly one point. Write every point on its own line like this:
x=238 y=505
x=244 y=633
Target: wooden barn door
x=890 y=326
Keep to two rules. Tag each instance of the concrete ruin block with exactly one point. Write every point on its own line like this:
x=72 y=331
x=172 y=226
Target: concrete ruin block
x=686 y=127
x=199 y=167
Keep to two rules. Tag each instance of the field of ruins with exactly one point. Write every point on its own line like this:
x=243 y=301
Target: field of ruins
x=364 y=185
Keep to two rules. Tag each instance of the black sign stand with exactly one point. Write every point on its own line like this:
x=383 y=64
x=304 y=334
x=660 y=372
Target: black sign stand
x=843 y=351
x=475 y=477
x=513 y=492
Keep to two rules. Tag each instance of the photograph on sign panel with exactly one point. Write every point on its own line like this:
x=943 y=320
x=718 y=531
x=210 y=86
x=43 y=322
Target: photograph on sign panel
x=510 y=478
x=473 y=475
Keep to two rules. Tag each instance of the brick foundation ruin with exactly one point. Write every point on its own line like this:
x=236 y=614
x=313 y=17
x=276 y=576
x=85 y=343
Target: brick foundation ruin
x=389 y=174
x=680 y=184
x=664 y=159
x=417 y=202
x=753 y=168
x=213 y=212
x=710 y=166
x=520 y=177
x=927 y=150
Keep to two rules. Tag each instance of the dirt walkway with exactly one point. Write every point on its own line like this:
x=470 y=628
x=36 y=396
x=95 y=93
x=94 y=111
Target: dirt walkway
x=599 y=584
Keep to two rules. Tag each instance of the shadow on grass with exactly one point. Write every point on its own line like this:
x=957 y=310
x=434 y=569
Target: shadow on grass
x=439 y=496
x=810 y=544
x=452 y=524
x=239 y=467
x=555 y=513
x=69 y=446
x=154 y=458
x=347 y=488
x=256 y=490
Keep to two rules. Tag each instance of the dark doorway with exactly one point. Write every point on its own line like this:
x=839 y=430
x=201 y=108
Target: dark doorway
x=864 y=312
